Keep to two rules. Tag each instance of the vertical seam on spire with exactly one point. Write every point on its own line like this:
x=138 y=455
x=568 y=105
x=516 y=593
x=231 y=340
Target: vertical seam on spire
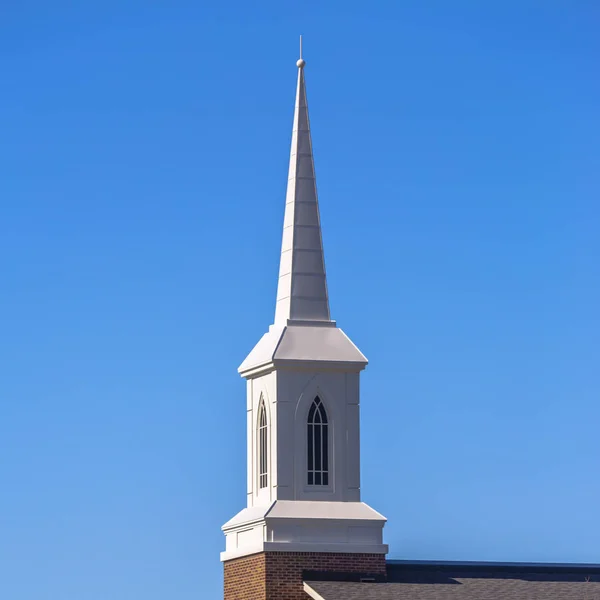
x=296 y=128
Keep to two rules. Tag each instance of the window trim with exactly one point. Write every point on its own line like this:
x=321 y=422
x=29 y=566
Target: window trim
x=318 y=474
x=262 y=442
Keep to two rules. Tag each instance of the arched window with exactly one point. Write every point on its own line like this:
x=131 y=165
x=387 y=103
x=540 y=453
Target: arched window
x=318 y=444
x=262 y=446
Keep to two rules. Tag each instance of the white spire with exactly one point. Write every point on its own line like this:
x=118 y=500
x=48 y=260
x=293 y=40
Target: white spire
x=302 y=288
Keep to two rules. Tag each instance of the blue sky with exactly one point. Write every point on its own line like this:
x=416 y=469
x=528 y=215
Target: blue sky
x=143 y=154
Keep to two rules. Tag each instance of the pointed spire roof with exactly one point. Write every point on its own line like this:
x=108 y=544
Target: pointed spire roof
x=302 y=288
x=303 y=332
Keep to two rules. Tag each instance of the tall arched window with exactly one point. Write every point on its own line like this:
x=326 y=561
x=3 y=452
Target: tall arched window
x=318 y=444
x=262 y=446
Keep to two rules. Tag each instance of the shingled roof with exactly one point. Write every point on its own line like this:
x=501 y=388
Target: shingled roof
x=461 y=581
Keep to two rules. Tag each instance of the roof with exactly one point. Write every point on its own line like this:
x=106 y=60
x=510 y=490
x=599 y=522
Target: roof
x=302 y=331
x=307 y=509
x=318 y=343
x=461 y=581
x=358 y=511
x=302 y=288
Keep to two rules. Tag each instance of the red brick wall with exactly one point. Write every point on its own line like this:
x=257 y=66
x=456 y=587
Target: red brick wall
x=245 y=578
x=278 y=575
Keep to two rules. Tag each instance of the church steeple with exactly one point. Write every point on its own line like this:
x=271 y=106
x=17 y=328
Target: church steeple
x=302 y=287
x=303 y=398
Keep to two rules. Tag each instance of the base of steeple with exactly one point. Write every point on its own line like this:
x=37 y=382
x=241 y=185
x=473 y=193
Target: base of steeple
x=281 y=575
x=304 y=526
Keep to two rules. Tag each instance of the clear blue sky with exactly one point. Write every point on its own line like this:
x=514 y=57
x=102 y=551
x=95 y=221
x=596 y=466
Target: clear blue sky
x=143 y=153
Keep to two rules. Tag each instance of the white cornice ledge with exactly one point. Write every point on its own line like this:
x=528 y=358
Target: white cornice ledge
x=339 y=548
x=314 y=347
x=305 y=526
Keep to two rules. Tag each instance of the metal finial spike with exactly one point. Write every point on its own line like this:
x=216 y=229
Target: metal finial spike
x=301 y=62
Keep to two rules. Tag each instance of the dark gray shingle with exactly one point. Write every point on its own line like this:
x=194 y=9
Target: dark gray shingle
x=501 y=582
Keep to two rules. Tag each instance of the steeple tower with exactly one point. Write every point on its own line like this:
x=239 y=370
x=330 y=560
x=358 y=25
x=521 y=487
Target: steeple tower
x=303 y=390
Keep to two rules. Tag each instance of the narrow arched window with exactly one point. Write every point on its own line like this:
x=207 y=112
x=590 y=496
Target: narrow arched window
x=318 y=444
x=262 y=446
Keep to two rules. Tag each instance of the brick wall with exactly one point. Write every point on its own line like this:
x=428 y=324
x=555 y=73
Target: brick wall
x=245 y=578
x=278 y=575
